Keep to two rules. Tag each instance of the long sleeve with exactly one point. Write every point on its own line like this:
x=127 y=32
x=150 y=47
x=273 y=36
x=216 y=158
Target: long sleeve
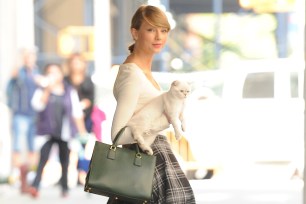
x=132 y=91
x=36 y=101
x=87 y=91
x=76 y=106
x=127 y=91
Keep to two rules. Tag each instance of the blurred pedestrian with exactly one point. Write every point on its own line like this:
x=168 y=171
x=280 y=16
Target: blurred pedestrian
x=78 y=77
x=59 y=118
x=98 y=116
x=134 y=87
x=20 y=90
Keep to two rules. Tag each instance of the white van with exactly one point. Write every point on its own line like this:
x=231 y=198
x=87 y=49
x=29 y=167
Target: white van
x=253 y=116
x=249 y=116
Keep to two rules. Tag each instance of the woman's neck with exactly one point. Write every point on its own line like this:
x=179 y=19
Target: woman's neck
x=57 y=89
x=143 y=61
x=77 y=78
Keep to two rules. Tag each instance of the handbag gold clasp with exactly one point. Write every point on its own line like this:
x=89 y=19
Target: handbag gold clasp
x=138 y=155
x=113 y=148
x=112 y=152
x=87 y=189
x=137 y=160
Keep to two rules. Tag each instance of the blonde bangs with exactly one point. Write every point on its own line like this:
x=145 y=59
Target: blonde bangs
x=156 y=18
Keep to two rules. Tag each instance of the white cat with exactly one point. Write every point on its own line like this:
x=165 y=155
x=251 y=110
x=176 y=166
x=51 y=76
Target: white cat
x=150 y=120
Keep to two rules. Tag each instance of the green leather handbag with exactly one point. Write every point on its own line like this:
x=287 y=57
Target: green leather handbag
x=120 y=173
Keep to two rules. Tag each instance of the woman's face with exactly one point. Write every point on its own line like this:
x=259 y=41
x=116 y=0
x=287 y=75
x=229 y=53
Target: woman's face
x=54 y=74
x=29 y=59
x=77 y=65
x=150 y=39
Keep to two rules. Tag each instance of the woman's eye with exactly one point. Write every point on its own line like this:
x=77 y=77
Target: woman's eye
x=164 y=30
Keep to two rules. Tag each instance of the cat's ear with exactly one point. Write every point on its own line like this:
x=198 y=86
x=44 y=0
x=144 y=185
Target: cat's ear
x=175 y=83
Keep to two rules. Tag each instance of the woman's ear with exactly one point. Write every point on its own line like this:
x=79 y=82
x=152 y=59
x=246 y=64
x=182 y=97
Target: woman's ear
x=134 y=33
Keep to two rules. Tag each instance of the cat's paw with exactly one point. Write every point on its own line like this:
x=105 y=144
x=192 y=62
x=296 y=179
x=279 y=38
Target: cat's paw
x=145 y=148
x=148 y=150
x=139 y=140
x=178 y=136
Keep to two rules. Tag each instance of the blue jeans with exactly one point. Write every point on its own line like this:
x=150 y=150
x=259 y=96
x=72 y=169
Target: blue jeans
x=23 y=126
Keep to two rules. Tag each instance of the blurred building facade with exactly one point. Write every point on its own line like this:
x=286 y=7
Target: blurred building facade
x=99 y=28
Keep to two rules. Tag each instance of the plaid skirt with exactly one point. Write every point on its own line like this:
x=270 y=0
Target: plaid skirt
x=170 y=185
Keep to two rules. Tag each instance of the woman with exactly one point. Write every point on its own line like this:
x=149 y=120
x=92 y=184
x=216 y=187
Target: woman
x=59 y=118
x=20 y=90
x=134 y=87
x=78 y=78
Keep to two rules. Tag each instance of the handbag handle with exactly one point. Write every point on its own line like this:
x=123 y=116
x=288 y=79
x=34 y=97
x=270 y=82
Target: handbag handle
x=113 y=147
x=118 y=136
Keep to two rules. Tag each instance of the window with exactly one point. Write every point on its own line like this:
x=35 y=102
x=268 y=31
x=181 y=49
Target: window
x=294 y=83
x=259 y=85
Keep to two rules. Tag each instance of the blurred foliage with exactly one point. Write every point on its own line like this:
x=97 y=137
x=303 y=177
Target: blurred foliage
x=241 y=36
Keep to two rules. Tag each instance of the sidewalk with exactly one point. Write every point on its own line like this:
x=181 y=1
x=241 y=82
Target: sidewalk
x=229 y=191
x=49 y=195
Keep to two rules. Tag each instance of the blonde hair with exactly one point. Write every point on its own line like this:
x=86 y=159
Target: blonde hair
x=73 y=56
x=152 y=15
x=68 y=65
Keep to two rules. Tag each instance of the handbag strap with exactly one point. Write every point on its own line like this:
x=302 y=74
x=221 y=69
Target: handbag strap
x=118 y=136
x=112 y=149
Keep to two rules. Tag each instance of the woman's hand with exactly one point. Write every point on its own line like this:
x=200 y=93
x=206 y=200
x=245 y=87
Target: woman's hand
x=85 y=103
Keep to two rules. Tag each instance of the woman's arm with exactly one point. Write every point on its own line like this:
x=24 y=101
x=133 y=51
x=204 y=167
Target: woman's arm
x=127 y=91
x=40 y=99
x=88 y=94
x=77 y=112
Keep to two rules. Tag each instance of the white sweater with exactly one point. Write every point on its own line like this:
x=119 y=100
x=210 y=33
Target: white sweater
x=132 y=90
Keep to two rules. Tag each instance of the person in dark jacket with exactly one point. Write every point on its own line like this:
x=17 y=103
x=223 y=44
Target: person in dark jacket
x=78 y=77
